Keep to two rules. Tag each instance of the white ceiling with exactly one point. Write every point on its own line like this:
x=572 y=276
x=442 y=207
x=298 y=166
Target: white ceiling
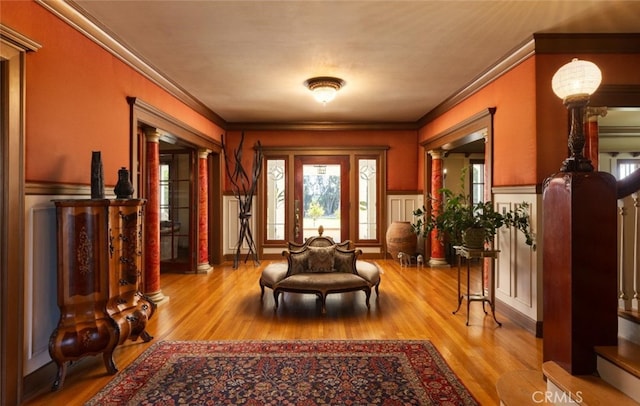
x=247 y=60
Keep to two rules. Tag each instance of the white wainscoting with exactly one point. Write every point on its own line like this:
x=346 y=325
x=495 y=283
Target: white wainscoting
x=41 y=313
x=401 y=207
x=231 y=225
x=518 y=278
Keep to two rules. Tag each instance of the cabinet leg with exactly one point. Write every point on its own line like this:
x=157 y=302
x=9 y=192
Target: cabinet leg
x=59 y=381
x=107 y=356
x=146 y=337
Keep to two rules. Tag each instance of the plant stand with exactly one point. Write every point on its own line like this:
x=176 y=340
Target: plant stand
x=471 y=253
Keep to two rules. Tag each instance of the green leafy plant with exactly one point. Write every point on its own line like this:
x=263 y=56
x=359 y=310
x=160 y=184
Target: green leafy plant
x=315 y=211
x=457 y=214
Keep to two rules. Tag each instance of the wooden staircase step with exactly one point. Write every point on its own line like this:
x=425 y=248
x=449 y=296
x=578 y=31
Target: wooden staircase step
x=626 y=355
x=522 y=387
x=631 y=315
x=585 y=389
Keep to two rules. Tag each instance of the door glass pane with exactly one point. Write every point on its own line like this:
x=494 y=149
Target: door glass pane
x=175 y=211
x=626 y=167
x=321 y=200
x=164 y=192
x=477 y=182
x=275 y=199
x=367 y=219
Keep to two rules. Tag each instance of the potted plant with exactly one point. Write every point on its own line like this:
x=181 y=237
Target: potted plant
x=464 y=223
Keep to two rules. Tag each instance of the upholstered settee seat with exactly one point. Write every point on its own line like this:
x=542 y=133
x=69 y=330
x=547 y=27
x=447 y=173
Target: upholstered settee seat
x=322 y=267
x=370 y=272
x=323 y=282
x=272 y=274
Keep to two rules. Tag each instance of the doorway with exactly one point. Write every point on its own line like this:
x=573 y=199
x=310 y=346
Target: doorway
x=176 y=214
x=321 y=196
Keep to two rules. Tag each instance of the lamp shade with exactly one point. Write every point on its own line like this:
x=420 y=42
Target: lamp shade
x=576 y=78
x=324 y=88
x=324 y=94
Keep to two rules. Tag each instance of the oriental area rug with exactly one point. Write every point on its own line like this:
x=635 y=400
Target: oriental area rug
x=305 y=373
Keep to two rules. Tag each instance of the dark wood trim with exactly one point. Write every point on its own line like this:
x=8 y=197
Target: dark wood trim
x=517 y=190
x=173 y=130
x=153 y=117
x=616 y=96
x=522 y=320
x=587 y=43
x=322 y=126
x=631 y=315
x=18 y=40
x=39 y=381
x=59 y=189
x=13 y=49
x=271 y=150
x=461 y=133
x=216 y=169
x=404 y=192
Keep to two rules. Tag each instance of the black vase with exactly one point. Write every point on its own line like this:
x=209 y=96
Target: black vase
x=124 y=188
x=97 y=178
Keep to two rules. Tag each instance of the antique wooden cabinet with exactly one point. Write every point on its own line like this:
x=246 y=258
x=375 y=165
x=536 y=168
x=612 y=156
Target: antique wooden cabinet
x=99 y=280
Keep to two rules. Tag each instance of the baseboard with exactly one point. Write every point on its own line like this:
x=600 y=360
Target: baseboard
x=522 y=320
x=39 y=381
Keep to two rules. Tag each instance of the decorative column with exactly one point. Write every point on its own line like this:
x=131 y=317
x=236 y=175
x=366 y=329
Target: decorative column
x=152 y=215
x=437 y=249
x=592 y=133
x=203 y=210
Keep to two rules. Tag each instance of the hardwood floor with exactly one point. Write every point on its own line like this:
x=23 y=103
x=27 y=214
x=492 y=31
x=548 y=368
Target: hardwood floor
x=414 y=304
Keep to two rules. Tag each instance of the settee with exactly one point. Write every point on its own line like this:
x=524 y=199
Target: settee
x=320 y=266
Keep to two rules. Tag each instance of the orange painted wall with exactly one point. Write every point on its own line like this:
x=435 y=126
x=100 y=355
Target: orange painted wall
x=513 y=95
x=76 y=100
x=402 y=156
x=552 y=116
x=531 y=123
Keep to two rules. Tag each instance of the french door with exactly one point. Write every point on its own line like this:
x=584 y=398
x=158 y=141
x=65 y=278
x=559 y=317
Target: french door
x=321 y=196
x=176 y=210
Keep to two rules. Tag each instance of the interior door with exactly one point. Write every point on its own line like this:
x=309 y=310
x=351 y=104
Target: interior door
x=321 y=196
x=176 y=210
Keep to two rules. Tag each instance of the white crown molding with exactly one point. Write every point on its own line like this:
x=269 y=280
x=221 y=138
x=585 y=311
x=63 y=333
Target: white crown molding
x=508 y=62
x=14 y=37
x=72 y=14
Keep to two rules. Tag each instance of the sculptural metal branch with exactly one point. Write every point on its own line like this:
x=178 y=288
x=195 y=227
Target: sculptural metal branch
x=244 y=188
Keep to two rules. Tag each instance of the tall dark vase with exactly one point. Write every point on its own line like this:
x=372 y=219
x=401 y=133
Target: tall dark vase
x=124 y=188
x=97 y=177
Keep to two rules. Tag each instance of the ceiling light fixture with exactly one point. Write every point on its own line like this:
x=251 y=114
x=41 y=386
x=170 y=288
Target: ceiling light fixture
x=324 y=88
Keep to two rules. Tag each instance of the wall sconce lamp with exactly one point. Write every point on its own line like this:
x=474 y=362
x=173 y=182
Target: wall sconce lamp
x=324 y=88
x=574 y=83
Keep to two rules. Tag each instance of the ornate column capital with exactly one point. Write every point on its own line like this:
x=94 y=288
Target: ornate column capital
x=203 y=153
x=436 y=153
x=152 y=134
x=592 y=113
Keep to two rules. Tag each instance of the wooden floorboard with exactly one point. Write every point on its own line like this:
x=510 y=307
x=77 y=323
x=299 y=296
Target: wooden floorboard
x=414 y=304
